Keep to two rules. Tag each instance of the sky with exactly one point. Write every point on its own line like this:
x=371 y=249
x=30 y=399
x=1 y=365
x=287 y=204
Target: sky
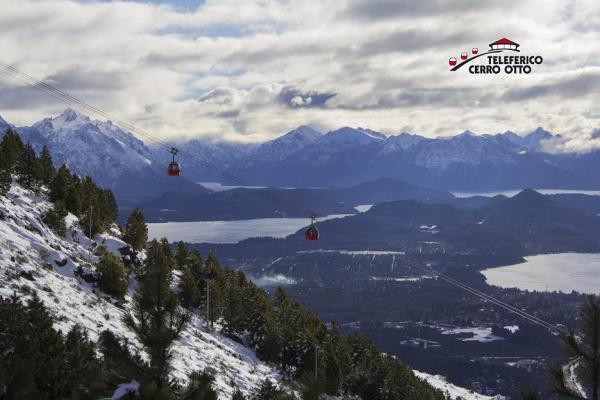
x=250 y=70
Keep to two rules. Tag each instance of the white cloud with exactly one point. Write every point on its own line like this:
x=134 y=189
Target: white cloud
x=252 y=69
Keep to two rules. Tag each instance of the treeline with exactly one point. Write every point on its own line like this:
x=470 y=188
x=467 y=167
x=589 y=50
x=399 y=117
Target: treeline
x=95 y=207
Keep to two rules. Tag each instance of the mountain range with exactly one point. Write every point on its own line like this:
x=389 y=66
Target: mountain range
x=304 y=157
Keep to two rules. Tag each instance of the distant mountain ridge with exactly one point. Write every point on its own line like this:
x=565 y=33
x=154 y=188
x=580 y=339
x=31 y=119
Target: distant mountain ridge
x=305 y=157
x=112 y=157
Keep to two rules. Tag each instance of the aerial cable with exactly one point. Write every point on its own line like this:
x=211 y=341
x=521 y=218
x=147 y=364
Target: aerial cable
x=493 y=300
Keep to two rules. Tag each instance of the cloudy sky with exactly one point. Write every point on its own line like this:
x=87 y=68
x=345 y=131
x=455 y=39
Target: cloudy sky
x=249 y=70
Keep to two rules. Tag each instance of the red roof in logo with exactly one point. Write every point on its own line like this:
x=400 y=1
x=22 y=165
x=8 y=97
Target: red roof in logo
x=504 y=41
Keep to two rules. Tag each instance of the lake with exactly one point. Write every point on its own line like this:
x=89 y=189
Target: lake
x=512 y=192
x=229 y=231
x=550 y=272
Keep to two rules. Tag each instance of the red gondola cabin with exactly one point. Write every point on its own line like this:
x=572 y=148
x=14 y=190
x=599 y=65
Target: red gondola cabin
x=173 y=168
x=311 y=233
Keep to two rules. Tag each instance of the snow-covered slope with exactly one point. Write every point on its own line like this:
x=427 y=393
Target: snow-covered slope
x=30 y=259
x=452 y=391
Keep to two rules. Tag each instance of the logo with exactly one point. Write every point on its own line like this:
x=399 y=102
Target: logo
x=494 y=62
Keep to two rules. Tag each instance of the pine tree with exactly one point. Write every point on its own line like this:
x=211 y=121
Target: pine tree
x=27 y=171
x=5 y=179
x=233 y=309
x=156 y=318
x=583 y=348
x=189 y=291
x=181 y=254
x=83 y=367
x=119 y=365
x=55 y=218
x=238 y=395
x=268 y=391
x=11 y=148
x=45 y=166
x=136 y=231
x=200 y=387
x=61 y=184
x=113 y=276
x=268 y=344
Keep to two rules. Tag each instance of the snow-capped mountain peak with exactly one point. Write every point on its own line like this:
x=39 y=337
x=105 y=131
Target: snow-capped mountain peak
x=539 y=134
x=68 y=120
x=287 y=144
x=348 y=137
x=531 y=141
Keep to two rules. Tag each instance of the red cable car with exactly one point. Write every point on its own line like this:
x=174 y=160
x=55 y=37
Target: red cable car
x=474 y=50
x=463 y=56
x=452 y=61
x=312 y=233
x=173 y=168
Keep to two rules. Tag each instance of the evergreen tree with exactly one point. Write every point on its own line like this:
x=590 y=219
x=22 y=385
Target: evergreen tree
x=45 y=166
x=55 y=218
x=233 y=308
x=113 y=276
x=27 y=171
x=238 y=395
x=156 y=318
x=269 y=391
x=5 y=179
x=118 y=362
x=73 y=201
x=11 y=148
x=181 y=254
x=136 y=231
x=583 y=348
x=200 y=387
x=83 y=367
x=268 y=345
x=189 y=291
x=61 y=184
x=313 y=386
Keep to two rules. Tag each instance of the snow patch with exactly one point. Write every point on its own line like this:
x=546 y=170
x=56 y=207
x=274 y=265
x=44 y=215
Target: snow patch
x=454 y=392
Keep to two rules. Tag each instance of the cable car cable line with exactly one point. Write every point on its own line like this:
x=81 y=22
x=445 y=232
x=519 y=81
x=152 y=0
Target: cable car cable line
x=82 y=105
x=500 y=303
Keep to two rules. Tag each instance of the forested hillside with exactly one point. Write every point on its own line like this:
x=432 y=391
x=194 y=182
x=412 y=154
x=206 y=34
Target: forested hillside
x=90 y=310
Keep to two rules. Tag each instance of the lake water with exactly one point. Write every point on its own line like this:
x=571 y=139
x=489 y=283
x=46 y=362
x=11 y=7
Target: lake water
x=550 y=272
x=512 y=192
x=229 y=231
